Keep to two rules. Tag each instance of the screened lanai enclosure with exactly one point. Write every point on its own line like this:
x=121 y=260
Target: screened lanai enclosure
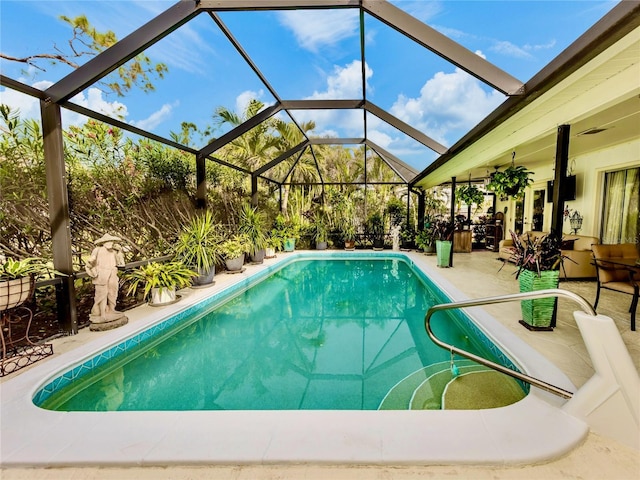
x=343 y=153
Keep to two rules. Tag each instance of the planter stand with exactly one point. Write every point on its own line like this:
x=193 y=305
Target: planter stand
x=18 y=352
x=236 y=271
x=533 y=328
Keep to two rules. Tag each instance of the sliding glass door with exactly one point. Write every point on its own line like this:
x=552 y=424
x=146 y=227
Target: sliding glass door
x=620 y=214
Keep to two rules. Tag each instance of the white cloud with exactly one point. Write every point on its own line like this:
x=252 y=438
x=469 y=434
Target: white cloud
x=509 y=49
x=156 y=118
x=242 y=100
x=318 y=28
x=380 y=138
x=94 y=101
x=345 y=83
x=30 y=107
x=448 y=102
x=537 y=48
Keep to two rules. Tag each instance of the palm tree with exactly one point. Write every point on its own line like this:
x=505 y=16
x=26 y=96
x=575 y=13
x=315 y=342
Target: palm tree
x=254 y=148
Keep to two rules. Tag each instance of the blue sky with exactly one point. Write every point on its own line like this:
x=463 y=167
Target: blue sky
x=306 y=55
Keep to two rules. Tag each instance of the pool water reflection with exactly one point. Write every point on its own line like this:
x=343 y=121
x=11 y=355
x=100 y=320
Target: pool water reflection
x=317 y=334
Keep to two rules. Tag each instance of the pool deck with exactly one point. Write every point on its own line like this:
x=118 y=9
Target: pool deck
x=476 y=275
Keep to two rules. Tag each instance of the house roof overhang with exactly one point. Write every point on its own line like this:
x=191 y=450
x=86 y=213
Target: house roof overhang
x=593 y=85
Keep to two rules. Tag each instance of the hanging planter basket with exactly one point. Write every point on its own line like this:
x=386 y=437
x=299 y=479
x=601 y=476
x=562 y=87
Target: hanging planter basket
x=512 y=182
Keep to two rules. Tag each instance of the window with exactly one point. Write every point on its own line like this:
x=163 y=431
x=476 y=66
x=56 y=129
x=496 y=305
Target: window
x=620 y=215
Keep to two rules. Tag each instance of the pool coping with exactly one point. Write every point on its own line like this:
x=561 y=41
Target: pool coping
x=530 y=431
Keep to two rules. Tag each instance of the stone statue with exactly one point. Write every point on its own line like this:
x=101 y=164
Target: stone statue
x=102 y=267
x=395 y=235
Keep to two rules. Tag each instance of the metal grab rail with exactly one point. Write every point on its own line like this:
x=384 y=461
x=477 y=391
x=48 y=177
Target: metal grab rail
x=552 y=292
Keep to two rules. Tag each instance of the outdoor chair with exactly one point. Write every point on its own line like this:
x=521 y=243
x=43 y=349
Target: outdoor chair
x=613 y=274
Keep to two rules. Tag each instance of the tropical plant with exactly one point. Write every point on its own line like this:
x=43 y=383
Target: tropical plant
x=470 y=195
x=511 y=182
x=319 y=229
x=425 y=238
x=233 y=247
x=198 y=244
x=536 y=254
x=407 y=234
x=12 y=269
x=253 y=227
x=434 y=205
x=159 y=275
x=442 y=229
x=375 y=228
x=397 y=211
x=285 y=229
x=274 y=241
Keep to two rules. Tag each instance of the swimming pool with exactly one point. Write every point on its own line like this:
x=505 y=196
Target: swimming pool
x=531 y=430
x=334 y=334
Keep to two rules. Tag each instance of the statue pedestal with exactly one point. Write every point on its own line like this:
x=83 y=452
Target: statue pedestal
x=108 y=322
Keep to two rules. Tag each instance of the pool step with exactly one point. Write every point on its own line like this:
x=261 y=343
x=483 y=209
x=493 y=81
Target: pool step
x=481 y=389
x=399 y=397
x=428 y=395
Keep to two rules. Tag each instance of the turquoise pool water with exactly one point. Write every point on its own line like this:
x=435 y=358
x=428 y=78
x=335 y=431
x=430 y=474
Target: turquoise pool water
x=316 y=334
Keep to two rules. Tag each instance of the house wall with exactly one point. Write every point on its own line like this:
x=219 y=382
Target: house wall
x=589 y=169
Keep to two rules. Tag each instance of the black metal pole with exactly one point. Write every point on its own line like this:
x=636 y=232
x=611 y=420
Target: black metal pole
x=59 y=219
x=201 y=181
x=254 y=190
x=453 y=214
x=562 y=162
x=421 y=211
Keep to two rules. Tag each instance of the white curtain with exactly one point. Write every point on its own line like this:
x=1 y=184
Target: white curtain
x=620 y=216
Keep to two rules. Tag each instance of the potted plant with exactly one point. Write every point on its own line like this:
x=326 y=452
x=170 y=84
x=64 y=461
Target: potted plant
x=253 y=227
x=320 y=233
x=375 y=230
x=348 y=230
x=273 y=243
x=407 y=237
x=511 y=182
x=443 y=233
x=538 y=261
x=287 y=231
x=425 y=240
x=232 y=252
x=197 y=246
x=470 y=195
x=160 y=280
x=17 y=280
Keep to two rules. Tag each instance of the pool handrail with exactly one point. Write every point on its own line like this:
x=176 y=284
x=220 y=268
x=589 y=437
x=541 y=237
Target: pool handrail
x=550 y=292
